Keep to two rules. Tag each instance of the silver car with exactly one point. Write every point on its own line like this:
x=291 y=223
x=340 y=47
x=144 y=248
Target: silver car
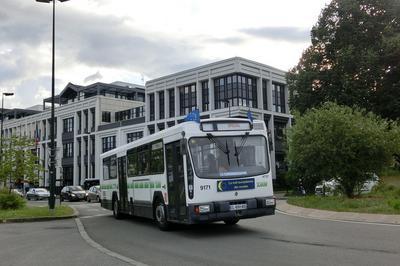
x=94 y=194
x=37 y=194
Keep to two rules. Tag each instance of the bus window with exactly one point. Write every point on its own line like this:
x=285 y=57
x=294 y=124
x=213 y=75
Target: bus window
x=132 y=162
x=233 y=156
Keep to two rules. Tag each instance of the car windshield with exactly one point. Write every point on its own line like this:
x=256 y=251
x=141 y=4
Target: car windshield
x=233 y=156
x=76 y=188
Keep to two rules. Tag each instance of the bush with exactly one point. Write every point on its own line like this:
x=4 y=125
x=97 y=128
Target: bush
x=11 y=201
x=342 y=143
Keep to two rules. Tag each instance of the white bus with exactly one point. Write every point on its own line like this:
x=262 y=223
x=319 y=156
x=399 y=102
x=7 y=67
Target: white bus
x=215 y=170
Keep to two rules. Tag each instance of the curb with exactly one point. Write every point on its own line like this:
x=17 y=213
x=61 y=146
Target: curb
x=40 y=219
x=325 y=215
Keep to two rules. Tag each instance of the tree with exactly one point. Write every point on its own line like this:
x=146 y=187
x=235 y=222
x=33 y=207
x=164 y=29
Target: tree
x=342 y=143
x=353 y=59
x=19 y=161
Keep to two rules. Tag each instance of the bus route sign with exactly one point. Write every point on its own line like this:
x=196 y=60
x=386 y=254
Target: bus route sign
x=233 y=184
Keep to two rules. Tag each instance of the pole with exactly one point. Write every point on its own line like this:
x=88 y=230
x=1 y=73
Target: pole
x=1 y=141
x=52 y=148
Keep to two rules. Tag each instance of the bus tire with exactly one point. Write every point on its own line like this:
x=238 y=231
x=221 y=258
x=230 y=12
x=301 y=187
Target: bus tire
x=232 y=221
x=160 y=215
x=116 y=211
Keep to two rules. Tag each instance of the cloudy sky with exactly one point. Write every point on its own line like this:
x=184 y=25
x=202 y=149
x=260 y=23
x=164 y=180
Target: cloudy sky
x=134 y=41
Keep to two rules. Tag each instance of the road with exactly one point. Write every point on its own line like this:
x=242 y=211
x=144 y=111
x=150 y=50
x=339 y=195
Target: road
x=277 y=240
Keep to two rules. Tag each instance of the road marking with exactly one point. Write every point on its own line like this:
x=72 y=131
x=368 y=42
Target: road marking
x=102 y=249
x=335 y=220
x=94 y=215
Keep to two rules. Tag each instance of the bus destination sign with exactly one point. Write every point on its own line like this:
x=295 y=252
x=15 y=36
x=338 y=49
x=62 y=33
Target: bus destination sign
x=234 y=184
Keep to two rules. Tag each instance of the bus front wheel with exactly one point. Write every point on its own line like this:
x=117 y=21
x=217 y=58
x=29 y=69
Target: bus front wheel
x=160 y=215
x=116 y=211
x=232 y=221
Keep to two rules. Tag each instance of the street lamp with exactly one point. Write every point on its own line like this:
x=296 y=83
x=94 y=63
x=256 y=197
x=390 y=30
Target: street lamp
x=2 y=119
x=52 y=169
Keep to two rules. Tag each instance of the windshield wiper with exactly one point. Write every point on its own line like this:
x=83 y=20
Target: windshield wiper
x=241 y=146
x=225 y=149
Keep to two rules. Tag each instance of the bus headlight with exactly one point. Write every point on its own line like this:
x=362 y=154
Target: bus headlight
x=270 y=202
x=202 y=209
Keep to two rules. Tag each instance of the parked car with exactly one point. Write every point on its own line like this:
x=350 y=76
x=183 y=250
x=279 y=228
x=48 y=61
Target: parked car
x=331 y=186
x=18 y=192
x=94 y=194
x=73 y=193
x=37 y=194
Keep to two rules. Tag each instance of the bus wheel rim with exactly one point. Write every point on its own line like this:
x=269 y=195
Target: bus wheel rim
x=160 y=213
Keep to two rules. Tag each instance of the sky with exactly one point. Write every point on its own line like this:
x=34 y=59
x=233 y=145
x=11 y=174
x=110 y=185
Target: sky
x=135 y=41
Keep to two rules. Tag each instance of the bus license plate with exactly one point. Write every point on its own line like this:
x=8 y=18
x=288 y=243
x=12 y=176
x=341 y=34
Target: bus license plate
x=238 y=207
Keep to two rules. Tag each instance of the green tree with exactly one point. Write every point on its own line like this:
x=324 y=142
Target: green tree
x=19 y=161
x=342 y=143
x=354 y=59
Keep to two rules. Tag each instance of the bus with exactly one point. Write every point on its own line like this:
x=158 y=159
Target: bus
x=216 y=169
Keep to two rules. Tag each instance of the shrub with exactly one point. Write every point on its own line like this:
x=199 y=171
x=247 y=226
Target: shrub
x=394 y=203
x=342 y=143
x=11 y=201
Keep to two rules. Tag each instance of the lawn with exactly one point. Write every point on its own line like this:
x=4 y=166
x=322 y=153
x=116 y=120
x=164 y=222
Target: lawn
x=35 y=212
x=384 y=199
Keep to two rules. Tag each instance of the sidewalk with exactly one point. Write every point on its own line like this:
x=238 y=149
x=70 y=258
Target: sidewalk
x=283 y=206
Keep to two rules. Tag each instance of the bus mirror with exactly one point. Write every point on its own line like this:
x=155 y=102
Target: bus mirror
x=183 y=146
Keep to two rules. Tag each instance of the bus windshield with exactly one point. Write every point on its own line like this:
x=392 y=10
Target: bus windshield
x=229 y=156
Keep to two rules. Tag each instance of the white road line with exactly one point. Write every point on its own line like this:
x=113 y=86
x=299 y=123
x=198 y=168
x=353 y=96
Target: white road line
x=94 y=215
x=336 y=220
x=102 y=249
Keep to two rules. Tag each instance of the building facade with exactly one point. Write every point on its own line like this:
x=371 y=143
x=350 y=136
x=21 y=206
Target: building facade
x=94 y=119
x=81 y=111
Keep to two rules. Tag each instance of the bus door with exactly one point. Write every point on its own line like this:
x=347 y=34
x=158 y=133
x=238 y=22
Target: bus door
x=176 y=182
x=122 y=184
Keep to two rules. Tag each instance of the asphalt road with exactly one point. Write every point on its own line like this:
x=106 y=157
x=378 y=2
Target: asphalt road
x=278 y=240
x=275 y=240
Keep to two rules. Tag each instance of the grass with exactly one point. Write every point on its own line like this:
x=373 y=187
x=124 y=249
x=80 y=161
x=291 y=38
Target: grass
x=35 y=212
x=384 y=199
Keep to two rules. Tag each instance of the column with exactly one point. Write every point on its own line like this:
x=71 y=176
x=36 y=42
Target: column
x=269 y=95
x=286 y=99
x=271 y=126
x=147 y=107
x=166 y=103
x=199 y=94
x=156 y=106
x=177 y=109
x=211 y=93
x=260 y=99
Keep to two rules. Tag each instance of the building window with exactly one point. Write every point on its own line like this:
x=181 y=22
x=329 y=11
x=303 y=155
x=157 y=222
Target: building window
x=171 y=102
x=265 y=94
x=68 y=150
x=92 y=146
x=134 y=136
x=106 y=116
x=205 y=96
x=68 y=125
x=162 y=104
x=235 y=90
x=278 y=97
x=151 y=101
x=108 y=143
x=151 y=129
x=79 y=122
x=187 y=98
x=68 y=176
x=129 y=114
x=93 y=112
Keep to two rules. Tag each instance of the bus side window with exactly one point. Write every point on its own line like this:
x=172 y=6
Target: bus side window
x=132 y=162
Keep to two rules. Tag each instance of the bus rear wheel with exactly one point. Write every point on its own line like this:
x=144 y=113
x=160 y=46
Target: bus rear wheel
x=116 y=211
x=232 y=221
x=160 y=216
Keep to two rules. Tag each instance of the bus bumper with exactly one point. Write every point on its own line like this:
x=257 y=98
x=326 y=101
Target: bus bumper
x=222 y=210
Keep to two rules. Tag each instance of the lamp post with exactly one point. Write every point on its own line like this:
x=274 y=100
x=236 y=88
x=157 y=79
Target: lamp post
x=52 y=170
x=2 y=119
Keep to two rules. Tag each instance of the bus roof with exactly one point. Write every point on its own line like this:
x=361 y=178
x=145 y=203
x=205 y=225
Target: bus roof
x=190 y=126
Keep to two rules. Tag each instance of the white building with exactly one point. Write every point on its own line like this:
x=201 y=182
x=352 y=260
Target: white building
x=99 y=117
